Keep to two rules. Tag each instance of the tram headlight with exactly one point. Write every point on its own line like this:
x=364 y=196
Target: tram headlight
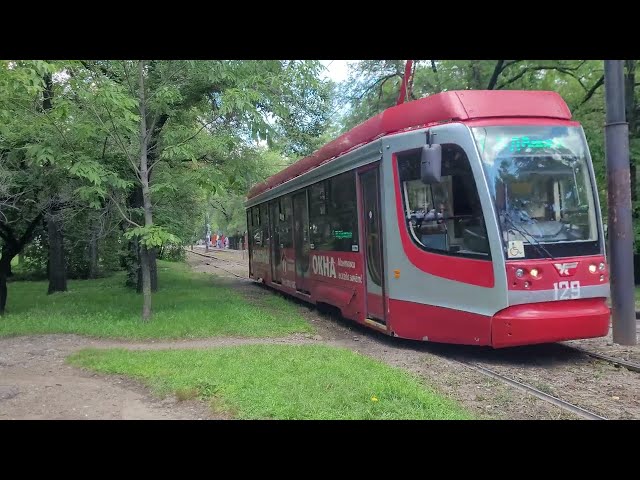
x=592 y=268
x=519 y=273
x=534 y=272
x=602 y=266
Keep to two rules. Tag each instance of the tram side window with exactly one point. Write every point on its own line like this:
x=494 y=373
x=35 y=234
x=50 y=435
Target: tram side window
x=256 y=231
x=249 y=228
x=343 y=212
x=264 y=224
x=319 y=225
x=444 y=217
x=333 y=214
x=285 y=221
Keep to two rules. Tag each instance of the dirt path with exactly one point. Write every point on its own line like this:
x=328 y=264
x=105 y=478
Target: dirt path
x=36 y=383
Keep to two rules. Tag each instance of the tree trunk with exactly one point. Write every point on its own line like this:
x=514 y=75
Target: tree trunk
x=57 y=268
x=93 y=252
x=152 y=254
x=497 y=70
x=3 y=290
x=132 y=261
x=5 y=263
x=146 y=197
x=146 y=283
x=476 y=75
x=134 y=276
x=134 y=280
x=13 y=245
x=153 y=268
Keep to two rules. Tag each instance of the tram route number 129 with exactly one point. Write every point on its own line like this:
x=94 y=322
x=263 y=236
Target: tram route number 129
x=566 y=290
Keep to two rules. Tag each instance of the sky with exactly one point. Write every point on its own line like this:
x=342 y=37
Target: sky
x=337 y=69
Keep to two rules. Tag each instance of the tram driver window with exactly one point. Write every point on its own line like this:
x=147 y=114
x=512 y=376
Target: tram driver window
x=444 y=217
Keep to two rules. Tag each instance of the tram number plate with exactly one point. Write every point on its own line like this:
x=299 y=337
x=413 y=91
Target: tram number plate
x=566 y=290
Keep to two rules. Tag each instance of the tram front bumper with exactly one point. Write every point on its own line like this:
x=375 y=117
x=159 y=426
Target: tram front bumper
x=548 y=322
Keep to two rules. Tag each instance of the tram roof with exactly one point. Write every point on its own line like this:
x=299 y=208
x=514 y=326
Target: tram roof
x=455 y=105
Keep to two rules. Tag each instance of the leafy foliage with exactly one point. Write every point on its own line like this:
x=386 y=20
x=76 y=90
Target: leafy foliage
x=70 y=140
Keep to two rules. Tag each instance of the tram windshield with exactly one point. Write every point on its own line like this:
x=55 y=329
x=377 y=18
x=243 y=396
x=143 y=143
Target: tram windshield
x=540 y=183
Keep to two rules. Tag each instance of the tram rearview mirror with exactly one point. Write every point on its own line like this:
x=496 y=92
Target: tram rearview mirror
x=430 y=163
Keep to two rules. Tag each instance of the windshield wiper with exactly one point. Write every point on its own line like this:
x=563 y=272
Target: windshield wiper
x=535 y=244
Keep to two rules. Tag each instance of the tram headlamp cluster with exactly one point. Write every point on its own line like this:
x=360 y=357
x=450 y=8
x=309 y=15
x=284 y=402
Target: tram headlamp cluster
x=601 y=267
x=534 y=272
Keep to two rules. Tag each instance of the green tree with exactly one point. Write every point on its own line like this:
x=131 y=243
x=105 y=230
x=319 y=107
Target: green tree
x=27 y=159
x=176 y=109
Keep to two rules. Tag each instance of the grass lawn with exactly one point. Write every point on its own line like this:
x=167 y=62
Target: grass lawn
x=279 y=382
x=187 y=305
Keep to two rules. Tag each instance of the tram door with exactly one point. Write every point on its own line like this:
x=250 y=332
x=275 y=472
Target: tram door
x=301 y=240
x=249 y=245
x=274 y=216
x=370 y=189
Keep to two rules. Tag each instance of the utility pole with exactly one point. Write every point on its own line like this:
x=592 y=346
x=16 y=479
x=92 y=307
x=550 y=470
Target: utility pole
x=620 y=228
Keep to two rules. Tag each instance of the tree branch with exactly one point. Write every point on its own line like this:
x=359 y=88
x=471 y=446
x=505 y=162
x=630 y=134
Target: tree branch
x=127 y=78
x=217 y=204
x=559 y=68
x=122 y=213
x=191 y=137
x=513 y=79
x=496 y=73
x=591 y=91
x=115 y=132
x=6 y=234
x=382 y=86
x=373 y=85
x=28 y=234
x=107 y=73
x=104 y=147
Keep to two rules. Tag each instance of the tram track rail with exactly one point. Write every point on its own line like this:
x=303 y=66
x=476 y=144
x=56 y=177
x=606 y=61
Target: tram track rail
x=634 y=367
x=563 y=404
x=243 y=277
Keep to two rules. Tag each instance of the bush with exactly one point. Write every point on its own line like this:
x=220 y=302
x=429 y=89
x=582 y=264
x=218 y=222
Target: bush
x=33 y=261
x=173 y=253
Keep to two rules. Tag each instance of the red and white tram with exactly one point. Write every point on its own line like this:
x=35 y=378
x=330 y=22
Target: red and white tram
x=467 y=217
